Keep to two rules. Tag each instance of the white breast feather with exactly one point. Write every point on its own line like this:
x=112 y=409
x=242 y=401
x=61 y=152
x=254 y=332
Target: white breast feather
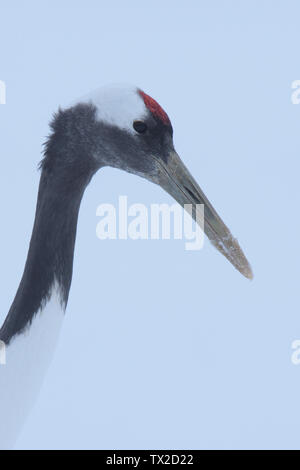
x=28 y=357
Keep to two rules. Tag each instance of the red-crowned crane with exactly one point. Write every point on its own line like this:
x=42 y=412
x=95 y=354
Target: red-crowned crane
x=118 y=126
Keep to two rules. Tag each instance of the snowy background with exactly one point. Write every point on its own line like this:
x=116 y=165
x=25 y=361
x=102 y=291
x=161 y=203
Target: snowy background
x=164 y=348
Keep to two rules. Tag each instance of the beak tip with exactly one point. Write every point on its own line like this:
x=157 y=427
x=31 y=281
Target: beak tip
x=244 y=266
x=248 y=273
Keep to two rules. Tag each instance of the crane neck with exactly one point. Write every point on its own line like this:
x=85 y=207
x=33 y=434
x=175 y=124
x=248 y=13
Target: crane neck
x=51 y=251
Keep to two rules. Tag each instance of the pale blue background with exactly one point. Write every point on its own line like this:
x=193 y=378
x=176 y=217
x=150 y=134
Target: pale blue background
x=163 y=348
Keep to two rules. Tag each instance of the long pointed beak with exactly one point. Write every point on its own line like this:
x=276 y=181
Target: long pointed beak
x=179 y=183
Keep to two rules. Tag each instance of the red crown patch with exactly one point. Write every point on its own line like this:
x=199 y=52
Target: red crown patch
x=155 y=108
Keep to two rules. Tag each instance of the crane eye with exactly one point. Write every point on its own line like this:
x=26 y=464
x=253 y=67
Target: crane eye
x=140 y=127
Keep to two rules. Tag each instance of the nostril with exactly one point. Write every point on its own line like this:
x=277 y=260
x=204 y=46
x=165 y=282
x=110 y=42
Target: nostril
x=190 y=193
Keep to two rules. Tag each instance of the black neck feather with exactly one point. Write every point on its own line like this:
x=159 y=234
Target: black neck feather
x=66 y=171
